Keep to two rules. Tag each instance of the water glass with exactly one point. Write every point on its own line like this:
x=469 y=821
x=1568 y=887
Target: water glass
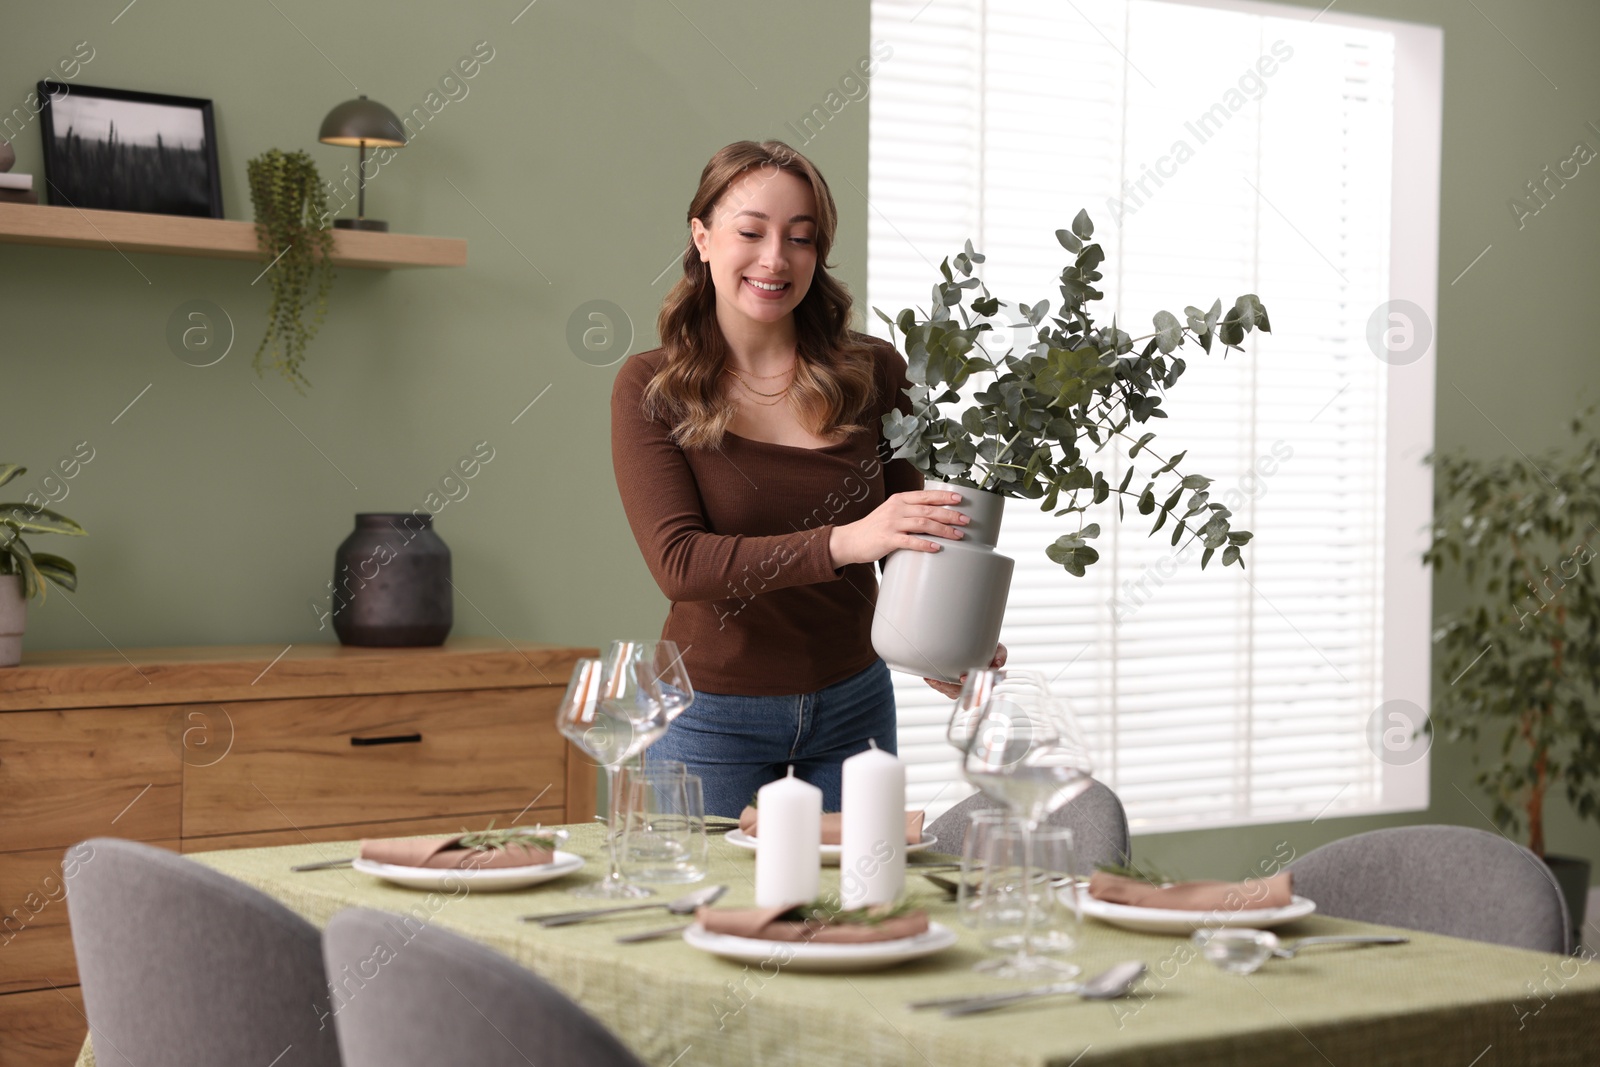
x=663 y=822
x=974 y=843
x=1021 y=908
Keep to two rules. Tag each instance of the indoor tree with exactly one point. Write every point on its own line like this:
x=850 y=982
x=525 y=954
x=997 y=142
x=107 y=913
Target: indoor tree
x=1520 y=657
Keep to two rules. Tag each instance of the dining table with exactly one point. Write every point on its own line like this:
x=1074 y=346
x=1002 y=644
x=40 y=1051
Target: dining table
x=1432 y=1000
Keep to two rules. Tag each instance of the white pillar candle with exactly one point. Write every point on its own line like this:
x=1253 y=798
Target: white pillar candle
x=788 y=842
x=872 y=843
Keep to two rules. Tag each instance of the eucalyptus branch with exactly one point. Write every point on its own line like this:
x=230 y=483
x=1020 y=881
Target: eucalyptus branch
x=1057 y=394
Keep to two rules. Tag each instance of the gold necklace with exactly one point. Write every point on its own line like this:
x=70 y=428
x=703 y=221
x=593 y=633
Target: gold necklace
x=769 y=377
x=740 y=378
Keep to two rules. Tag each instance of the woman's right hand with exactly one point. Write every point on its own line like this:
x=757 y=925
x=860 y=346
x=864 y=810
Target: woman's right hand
x=895 y=524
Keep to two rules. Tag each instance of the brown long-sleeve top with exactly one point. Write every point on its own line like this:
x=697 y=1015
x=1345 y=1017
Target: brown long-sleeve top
x=737 y=538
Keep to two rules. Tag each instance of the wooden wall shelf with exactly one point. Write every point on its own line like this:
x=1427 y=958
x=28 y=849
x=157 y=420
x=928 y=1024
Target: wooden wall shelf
x=183 y=235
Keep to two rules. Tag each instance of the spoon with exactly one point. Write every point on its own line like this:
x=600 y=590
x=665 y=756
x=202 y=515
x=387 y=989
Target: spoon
x=1109 y=984
x=684 y=905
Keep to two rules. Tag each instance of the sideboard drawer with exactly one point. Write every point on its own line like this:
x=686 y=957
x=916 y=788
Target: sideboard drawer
x=295 y=764
x=42 y=1029
x=35 y=944
x=88 y=772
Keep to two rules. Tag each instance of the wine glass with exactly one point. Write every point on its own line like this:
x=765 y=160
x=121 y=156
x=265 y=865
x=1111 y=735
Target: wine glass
x=649 y=672
x=606 y=717
x=979 y=687
x=1027 y=751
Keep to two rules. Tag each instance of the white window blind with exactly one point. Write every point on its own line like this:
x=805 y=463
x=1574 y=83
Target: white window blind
x=1218 y=152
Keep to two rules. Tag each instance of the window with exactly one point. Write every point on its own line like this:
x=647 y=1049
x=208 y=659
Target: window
x=1220 y=149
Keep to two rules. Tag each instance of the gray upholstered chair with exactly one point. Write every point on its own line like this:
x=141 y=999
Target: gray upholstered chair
x=406 y=993
x=186 y=967
x=1099 y=825
x=1442 y=879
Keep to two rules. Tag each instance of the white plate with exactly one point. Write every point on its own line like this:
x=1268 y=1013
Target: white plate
x=1173 y=921
x=478 y=879
x=810 y=956
x=830 y=853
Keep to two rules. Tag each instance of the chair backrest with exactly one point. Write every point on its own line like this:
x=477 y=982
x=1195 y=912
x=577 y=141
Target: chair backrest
x=407 y=993
x=186 y=967
x=1442 y=879
x=1099 y=825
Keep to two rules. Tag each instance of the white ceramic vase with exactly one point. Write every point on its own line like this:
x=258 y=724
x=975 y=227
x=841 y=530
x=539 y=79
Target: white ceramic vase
x=13 y=619
x=939 y=613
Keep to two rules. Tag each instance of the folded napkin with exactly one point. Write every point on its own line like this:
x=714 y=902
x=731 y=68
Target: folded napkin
x=833 y=826
x=1273 y=892
x=764 y=924
x=444 y=853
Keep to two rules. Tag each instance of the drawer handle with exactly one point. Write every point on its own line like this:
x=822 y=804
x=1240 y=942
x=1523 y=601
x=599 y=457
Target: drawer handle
x=396 y=739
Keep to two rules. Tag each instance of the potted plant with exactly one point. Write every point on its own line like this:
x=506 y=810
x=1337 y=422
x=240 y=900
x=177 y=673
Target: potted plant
x=22 y=571
x=295 y=240
x=1034 y=432
x=1522 y=652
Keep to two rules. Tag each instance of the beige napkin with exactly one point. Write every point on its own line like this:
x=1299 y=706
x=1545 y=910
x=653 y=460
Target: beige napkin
x=1274 y=892
x=833 y=826
x=441 y=852
x=763 y=924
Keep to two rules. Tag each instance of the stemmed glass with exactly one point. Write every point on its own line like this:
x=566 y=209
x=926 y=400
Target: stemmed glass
x=1027 y=751
x=653 y=668
x=614 y=708
x=979 y=686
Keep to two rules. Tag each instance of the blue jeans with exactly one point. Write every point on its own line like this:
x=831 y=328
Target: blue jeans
x=737 y=744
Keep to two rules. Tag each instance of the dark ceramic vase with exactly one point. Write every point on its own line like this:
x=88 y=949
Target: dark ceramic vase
x=391 y=583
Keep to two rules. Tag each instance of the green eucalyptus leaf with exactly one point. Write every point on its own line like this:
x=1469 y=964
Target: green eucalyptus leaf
x=1169 y=332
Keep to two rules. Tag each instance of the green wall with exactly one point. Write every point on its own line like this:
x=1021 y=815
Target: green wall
x=215 y=503
x=568 y=167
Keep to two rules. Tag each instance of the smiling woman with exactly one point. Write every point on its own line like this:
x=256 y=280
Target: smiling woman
x=759 y=414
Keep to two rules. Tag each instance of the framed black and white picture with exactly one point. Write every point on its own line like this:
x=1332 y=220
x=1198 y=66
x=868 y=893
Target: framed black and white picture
x=121 y=150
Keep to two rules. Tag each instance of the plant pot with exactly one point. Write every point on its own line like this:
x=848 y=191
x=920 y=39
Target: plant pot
x=939 y=613
x=391 y=583
x=13 y=619
x=1572 y=875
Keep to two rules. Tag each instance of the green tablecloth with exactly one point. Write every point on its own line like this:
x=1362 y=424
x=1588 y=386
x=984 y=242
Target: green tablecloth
x=1436 y=1000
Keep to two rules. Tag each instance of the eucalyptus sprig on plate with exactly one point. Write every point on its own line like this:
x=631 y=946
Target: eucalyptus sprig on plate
x=490 y=839
x=1144 y=873
x=828 y=910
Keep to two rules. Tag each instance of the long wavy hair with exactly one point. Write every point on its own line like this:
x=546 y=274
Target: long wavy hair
x=833 y=378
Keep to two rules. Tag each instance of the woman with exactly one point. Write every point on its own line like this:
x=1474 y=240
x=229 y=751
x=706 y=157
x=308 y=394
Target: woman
x=748 y=453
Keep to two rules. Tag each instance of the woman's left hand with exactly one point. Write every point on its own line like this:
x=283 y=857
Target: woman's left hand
x=953 y=689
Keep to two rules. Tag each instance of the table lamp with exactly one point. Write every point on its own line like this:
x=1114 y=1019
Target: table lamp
x=360 y=123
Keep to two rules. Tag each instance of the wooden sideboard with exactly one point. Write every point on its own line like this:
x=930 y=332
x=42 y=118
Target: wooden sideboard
x=236 y=747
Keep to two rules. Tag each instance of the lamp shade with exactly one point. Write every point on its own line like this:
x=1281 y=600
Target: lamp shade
x=362 y=123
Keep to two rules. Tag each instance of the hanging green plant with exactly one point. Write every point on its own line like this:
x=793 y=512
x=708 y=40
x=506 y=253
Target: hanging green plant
x=294 y=238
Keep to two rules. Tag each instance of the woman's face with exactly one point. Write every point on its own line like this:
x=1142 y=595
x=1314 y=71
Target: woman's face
x=761 y=245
